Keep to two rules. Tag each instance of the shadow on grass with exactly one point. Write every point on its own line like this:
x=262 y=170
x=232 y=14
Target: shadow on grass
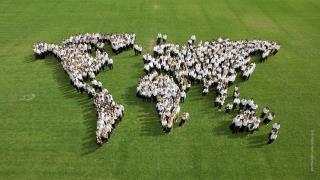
x=147 y=110
x=30 y=59
x=88 y=110
x=89 y=145
x=255 y=141
x=258 y=141
x=148 y=116
x=222 y=129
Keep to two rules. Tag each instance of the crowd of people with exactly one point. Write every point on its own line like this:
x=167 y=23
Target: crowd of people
x=75 y=56
x=121 y=42
x=108 y=112
x=215 y=64
x=247 y=119
x=118 y=41
x=163 y=90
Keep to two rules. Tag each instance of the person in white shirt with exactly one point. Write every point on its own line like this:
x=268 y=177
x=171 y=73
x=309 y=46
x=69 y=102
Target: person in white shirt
x=229 y=107
x=169 y=125
x=232 y=125
x=250 y=103
x=236 y=92
x=272 y=136
x=238 y=125
x=110 y=63
x=205 y=91
x=184 y=118
x=183 y=96
x=236 y=102
x=164 y=38
x=243 y=104
x=193 y=39
x=276 y=126
x=135 y=48
x=270 y=117
x=264 y=111
x=219 y=102
x=159 y=37
x=254 y=107
x=100 y=45
x=139 y=50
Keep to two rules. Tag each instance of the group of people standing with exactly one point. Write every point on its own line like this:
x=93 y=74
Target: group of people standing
x=215 y=64
x=163 y=90
x=161 y=38
x=108 y=112
x=247 y=119
x=137 y=49
x=75 y=55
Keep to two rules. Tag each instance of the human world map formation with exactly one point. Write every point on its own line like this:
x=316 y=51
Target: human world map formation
x=170 y=71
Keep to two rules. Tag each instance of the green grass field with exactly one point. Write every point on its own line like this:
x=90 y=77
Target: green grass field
x=47 y=129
